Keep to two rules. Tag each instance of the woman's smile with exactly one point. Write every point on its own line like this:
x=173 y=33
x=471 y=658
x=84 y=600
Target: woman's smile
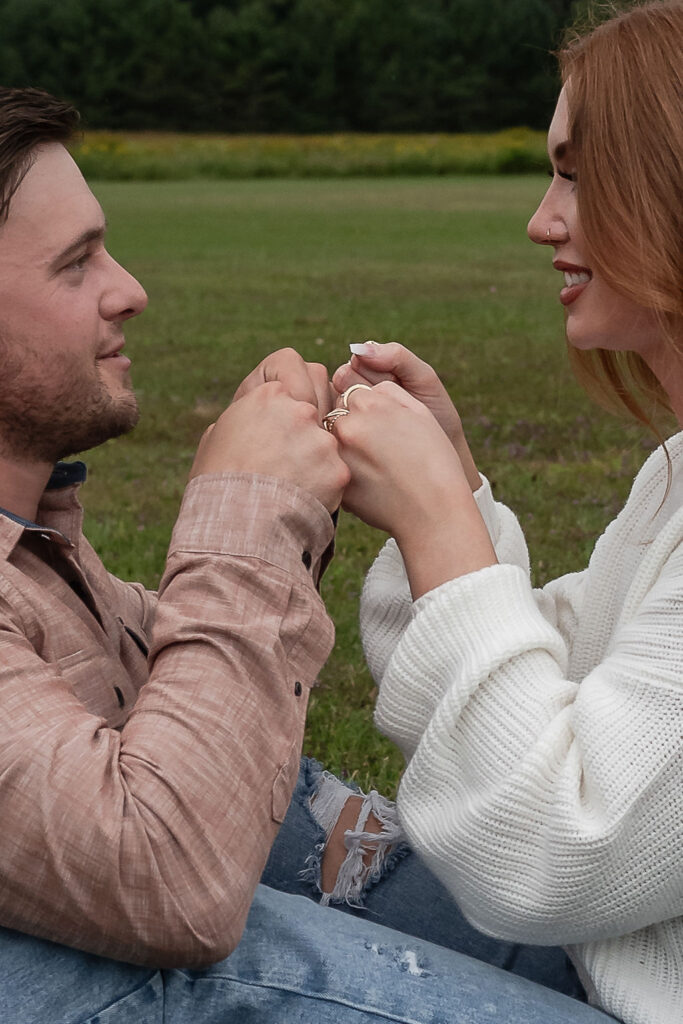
x=575 y=280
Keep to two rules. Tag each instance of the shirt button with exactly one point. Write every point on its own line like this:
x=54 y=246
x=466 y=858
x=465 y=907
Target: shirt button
x=297 y=688
x=306 y=559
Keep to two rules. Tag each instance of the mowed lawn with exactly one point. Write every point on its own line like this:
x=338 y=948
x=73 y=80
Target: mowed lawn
x=237 y=269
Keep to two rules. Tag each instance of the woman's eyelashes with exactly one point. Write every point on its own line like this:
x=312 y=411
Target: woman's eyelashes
x=566 y=175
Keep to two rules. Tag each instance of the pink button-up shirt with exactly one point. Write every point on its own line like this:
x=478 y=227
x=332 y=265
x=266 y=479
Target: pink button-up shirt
x=140 y=795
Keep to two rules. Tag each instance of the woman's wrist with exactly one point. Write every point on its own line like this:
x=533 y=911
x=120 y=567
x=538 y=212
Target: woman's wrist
x=444 y=546
x=459 y=442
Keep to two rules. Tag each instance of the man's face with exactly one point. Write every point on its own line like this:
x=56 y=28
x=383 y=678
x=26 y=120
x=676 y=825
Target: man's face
x=64 y=382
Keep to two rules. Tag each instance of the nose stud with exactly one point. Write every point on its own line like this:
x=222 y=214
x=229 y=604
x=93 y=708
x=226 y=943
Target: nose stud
x=547 y=234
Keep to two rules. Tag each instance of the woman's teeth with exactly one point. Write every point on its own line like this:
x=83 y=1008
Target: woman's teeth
x=572 y=279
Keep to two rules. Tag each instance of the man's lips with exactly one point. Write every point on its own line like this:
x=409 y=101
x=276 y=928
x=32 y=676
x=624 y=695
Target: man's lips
x=575 y=280
x=115 y=355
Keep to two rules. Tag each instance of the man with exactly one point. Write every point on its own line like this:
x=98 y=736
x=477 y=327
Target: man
x=150 y=743
x=110 y=790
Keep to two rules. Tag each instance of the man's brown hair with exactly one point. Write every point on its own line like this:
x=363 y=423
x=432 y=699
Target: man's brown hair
x=28 y=118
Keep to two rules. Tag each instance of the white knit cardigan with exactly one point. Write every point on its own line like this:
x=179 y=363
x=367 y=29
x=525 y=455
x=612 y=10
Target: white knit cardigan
x=543 y=734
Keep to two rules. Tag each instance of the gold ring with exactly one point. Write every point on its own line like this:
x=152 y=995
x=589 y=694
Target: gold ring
x=349 y=391
x=331 y=418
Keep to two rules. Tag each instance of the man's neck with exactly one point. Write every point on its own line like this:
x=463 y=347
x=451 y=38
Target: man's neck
x=22 y=485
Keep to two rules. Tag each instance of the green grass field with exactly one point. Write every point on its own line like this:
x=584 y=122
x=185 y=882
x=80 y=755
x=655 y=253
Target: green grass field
x=237 y=269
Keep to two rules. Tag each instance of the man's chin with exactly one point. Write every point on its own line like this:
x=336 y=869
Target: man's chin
x=121 y=415
x=119 y=419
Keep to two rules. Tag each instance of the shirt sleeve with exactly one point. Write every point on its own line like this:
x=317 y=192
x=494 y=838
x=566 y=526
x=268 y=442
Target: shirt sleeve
x=549 y=806
x=145 y=844
x=139 y=603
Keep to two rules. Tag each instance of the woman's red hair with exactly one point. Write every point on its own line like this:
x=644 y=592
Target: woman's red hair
x=624 y=84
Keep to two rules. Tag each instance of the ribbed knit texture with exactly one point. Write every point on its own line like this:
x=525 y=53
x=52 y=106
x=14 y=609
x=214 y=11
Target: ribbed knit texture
x=543 y=734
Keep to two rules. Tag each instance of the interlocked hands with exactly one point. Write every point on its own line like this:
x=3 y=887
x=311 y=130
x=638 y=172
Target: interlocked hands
x=273 y=427
x=399 y=460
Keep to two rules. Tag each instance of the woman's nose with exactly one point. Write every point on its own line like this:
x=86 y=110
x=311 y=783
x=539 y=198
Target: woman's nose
x=547 y=226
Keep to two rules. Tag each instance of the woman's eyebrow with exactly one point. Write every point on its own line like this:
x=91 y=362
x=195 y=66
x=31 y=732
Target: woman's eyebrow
x=562 y=150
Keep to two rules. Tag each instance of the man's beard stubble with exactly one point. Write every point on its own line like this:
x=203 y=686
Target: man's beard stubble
x=44 y=421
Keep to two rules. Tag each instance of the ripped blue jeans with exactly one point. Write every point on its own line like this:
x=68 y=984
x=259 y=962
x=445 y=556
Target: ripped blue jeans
x=302 y=963
x=407 y=897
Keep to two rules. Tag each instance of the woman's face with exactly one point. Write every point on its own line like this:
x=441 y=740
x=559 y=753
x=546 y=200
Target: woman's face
x=596 y=315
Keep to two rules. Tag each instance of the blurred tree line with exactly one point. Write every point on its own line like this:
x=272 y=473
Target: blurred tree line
x=290 y=65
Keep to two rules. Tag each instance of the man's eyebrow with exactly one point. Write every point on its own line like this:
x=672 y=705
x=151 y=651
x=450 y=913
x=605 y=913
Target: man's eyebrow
x=85 y=238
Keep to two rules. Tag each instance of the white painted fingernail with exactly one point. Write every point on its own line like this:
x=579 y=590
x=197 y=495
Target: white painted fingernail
x=367 y=348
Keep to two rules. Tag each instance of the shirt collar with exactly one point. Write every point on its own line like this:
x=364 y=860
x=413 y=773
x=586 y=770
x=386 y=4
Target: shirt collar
x=64 y=474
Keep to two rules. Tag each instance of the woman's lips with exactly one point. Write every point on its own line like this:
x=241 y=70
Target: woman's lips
x=575 y=280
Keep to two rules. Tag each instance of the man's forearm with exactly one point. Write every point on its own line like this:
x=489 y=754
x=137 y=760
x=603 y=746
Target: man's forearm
x=151 y=841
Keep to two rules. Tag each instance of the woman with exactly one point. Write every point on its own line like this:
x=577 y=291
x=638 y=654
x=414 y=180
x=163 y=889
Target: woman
x=543 y=730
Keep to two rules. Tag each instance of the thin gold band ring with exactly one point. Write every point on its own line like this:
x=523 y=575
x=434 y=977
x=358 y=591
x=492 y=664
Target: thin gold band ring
x=349 y=391
x=331 y=418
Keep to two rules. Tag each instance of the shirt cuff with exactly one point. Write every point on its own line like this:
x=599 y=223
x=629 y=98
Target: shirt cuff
x=255 y=516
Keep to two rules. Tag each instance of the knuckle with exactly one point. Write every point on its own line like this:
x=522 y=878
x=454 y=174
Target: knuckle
x=271 y=389
x=387 y=387
x=232 y=412
x=305 y=412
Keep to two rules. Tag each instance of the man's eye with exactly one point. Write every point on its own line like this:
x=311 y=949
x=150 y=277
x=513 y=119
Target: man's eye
x=79 y=263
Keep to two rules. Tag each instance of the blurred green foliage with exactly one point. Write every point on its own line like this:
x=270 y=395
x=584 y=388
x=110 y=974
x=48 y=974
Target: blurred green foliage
x=290 y=65
x=167 y=157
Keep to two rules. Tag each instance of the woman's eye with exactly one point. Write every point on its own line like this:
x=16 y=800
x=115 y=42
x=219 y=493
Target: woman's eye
x=567 y=176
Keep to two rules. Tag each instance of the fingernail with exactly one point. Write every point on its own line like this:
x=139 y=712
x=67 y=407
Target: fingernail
x=367 y=348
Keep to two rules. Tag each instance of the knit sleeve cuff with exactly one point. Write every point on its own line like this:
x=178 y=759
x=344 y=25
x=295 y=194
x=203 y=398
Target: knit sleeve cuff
x=487 y=506
x=504 y=529
x=460 y=633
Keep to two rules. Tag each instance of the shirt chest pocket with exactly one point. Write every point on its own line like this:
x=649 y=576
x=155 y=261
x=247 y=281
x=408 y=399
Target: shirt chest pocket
x=99 y=682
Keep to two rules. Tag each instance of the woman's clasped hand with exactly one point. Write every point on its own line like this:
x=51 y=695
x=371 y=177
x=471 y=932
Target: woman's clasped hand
x=407 y=476
x=383 y=442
